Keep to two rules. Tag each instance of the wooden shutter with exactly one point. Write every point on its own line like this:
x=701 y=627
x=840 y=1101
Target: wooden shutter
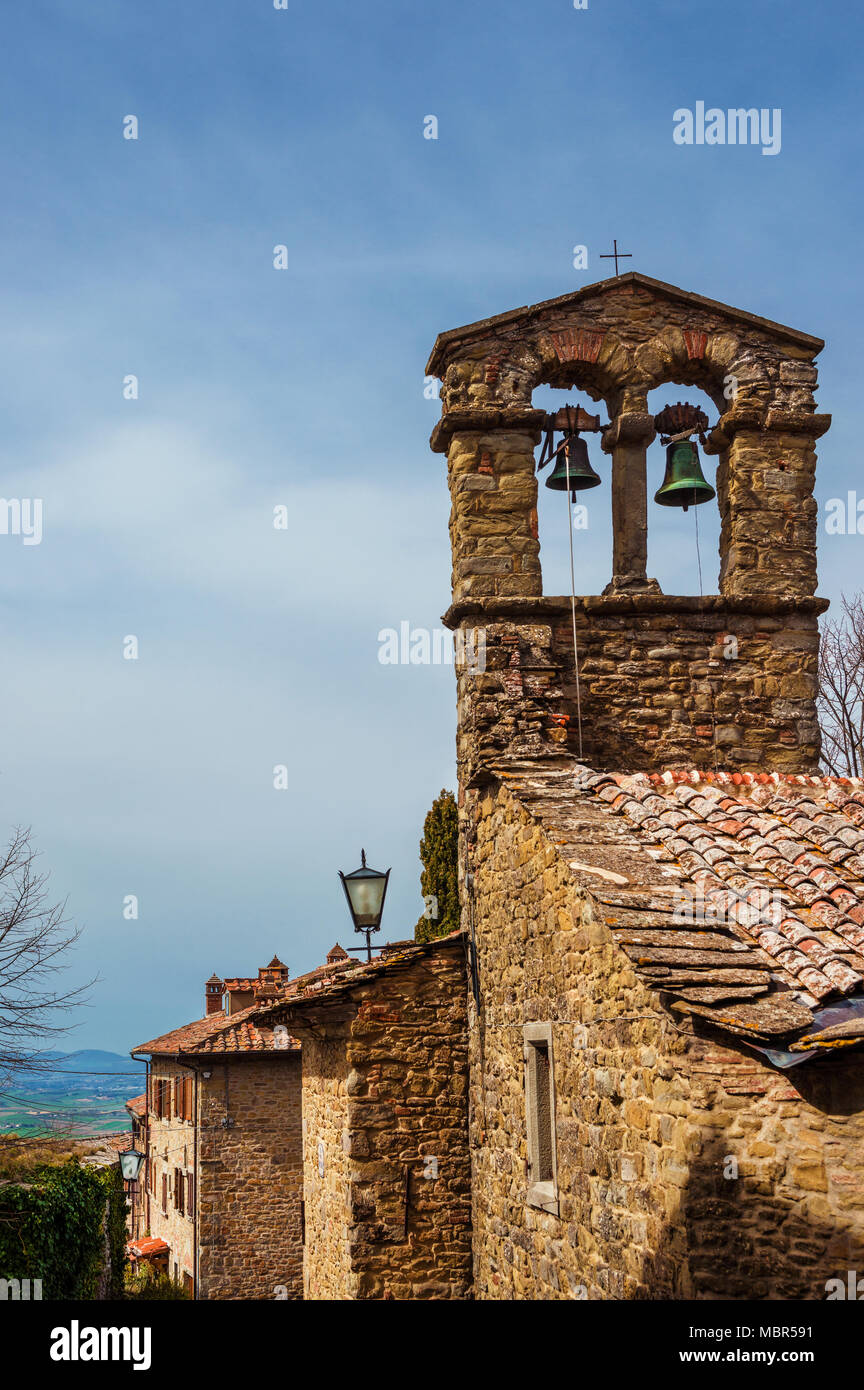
x=165 y=1194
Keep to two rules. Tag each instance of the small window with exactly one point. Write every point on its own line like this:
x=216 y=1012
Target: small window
x=540 y=1117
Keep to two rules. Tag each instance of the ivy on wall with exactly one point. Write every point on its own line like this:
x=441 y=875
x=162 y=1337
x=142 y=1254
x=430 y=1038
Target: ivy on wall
x=67 y=1227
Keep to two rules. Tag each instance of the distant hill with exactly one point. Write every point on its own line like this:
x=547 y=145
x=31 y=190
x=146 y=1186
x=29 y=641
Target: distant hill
x=71 y=1093
x=81 y=1071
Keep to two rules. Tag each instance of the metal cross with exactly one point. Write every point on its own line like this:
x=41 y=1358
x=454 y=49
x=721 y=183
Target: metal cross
x=617 y=255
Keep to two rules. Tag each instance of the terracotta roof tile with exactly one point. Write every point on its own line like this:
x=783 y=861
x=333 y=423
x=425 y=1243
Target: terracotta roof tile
x=686 y=864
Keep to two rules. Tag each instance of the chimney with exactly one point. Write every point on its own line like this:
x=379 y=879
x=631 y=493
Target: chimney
x=213 y=991
x=337 y=953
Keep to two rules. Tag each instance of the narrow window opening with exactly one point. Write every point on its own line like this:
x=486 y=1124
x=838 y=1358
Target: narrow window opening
x=540 y=1117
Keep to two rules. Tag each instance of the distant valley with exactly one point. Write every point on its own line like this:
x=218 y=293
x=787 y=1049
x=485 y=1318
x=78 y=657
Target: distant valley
x=70 y=1093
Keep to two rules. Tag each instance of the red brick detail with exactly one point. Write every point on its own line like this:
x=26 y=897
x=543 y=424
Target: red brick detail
x=696 y=342
x=492 y=370
x=378 y=1013
x=577 y=345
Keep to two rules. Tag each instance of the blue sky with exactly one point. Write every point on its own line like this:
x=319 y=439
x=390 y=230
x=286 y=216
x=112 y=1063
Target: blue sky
x=304 y=387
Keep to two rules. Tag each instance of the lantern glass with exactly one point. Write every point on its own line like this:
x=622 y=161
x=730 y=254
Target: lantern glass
x=365 y=890
x=130 y=1165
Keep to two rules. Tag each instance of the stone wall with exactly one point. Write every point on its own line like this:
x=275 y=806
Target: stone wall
x=250 y=1187
x=385 y=1075
x=326 y=1169
x=652 y=1120
x=664 y=682
x=171 y=1145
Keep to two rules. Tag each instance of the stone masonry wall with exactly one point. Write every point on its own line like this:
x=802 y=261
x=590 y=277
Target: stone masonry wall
x=327 y=1268
x=386 y=1096
x=250 y=1186
x=665 y=682
x=650 y=1118
x=171 y=1145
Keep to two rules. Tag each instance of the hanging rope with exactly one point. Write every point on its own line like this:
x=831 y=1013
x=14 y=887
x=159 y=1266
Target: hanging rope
x=573 y=601
x=698 y=554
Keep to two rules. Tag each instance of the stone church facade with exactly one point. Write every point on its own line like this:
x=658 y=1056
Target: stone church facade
x=659 y=926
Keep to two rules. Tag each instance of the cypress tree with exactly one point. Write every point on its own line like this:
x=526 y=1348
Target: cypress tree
x=439 y=880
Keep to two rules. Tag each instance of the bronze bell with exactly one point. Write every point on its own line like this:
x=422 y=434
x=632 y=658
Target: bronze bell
x=582 y=475
x=684 y=484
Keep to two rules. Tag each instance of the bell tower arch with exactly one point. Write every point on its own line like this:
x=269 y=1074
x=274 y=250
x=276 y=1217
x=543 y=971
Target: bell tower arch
x=725 y=680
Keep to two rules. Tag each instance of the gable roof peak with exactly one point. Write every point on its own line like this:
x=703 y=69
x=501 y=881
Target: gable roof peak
x=660 y=289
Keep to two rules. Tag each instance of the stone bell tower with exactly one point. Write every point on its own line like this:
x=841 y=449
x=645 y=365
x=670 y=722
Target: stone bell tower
x=725 y=681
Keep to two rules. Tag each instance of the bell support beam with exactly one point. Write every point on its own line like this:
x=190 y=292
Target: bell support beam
x=627 y=440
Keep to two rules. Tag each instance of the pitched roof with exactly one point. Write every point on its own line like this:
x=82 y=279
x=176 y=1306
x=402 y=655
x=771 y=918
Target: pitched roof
x=137 y=1105
x=739 y=896
x=219 y=1033
x=482 y=328
x=322 y=988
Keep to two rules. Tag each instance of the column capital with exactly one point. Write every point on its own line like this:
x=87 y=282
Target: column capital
x=486 y=420
x=628 y=428
x=752 y=416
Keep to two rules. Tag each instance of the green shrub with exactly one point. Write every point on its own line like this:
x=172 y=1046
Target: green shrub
x=147 y=1285
x=67 y=1227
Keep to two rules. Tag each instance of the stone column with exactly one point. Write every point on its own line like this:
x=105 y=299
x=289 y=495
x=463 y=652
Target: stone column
x=493 y=488
x=627 y=440
x=768 y=513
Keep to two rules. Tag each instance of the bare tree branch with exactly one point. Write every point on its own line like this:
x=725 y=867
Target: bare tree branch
x=34 y=939
x=841 y=689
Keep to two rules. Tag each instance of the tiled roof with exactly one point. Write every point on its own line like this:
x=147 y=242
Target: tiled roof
x=740 y=896
x=181 y=1039
x=247 y=1030
x=246 y=1034
x=137 y=1105
x=322 y=987
x=218 y=1033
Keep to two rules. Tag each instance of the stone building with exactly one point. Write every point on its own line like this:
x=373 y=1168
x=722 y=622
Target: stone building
x=221 y=1199
x=663 y=900
x=386 y=1169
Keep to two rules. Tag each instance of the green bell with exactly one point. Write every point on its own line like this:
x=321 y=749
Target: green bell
x=684 y=484
x=582 y=475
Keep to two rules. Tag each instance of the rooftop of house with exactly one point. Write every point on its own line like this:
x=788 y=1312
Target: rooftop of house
x=247 y=1030
x=740 y=897
x=137 y=1105
x=218 y=1033
x=320 y=988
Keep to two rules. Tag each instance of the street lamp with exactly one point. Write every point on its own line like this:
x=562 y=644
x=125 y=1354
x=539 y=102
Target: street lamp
x=365 y=890
x=130 y=1164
